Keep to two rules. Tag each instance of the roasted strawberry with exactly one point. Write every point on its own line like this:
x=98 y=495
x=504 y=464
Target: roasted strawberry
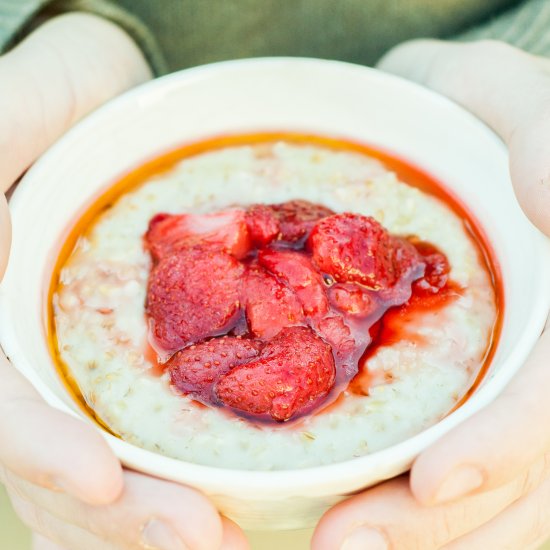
x=407 y=261
x=297 y=218
x=225 y=230
x=354 y=248
x=294 y=370
x=337 y=333
x=192 y=295
x=353 y=300
x=195 y=369
x=263 y=226
x=409 y=266
x=309 y=286
x=270 y=304
x=297 y=271
x=289 y=221
x=437 y=270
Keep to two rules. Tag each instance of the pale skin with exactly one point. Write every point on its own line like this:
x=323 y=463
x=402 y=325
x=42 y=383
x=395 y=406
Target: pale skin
x=485 y=485
x=63 y=480
x=474 y=489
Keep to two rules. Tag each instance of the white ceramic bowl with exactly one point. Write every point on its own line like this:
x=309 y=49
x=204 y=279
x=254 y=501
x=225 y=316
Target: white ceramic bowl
x=322 y=97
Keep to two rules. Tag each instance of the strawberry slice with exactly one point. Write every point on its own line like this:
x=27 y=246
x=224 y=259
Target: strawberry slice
x=192 y=295
x=297 y=218
x=270 y=304
x=354 y=248
x=407 y=261
x=353 y=300
x=294 y=370
x=263 y=226
x=195 y=369
x=225 y=230
x=437 y=270
x=289 y=221
x=409 y=266
x=297 y=271
x=337 y=333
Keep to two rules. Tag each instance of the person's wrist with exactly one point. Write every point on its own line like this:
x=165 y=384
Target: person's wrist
x=60 y=72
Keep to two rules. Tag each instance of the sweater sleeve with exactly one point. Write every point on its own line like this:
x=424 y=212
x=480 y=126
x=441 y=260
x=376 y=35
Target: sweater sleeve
x=526 y=26
x=19 y=17
x=15 y=15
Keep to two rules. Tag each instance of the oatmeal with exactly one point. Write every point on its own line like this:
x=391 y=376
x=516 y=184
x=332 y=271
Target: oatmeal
x=424 y=309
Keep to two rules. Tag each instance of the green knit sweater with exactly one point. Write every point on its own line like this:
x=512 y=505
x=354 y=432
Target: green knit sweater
x=181 y=33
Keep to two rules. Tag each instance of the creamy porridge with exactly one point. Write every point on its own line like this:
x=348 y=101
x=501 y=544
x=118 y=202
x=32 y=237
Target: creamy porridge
x=422 y=356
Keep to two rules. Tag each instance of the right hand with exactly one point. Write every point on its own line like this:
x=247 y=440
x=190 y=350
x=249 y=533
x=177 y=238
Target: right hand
x=63 y=480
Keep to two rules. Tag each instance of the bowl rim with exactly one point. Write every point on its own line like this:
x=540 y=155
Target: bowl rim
x=251 y=483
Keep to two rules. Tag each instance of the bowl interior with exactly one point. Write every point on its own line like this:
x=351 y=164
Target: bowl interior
x=311 y=96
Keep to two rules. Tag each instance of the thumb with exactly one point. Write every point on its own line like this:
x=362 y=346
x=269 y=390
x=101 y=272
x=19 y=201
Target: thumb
x=506 y=88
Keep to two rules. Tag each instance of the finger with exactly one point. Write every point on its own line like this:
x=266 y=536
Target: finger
x=149 y=512
x=497 y=444
x=5 y=234
x=503 y=86
x=50 y=448
x=60 y=72
x=388 y=516
x=233 y=537
x=524 y=525
x=62 y=536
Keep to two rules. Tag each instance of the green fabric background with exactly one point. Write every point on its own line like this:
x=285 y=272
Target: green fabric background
x=192 y=32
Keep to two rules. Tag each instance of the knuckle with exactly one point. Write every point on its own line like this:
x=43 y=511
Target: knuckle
x=122 y=525
x=14 y=485
x=493 y=48
x=457 y=65
x=447 y=526
x=534 y=476
x=451 y=521
x=490 y=51
x=31 y=516
x=539 y=528
x=427 y=533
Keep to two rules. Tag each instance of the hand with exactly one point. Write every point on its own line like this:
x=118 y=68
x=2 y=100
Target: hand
x=484 y=485
x=62 y=478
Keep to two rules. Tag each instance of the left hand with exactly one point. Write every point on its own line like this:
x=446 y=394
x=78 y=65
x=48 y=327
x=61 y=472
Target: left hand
x=64 y=482
x=485 y=485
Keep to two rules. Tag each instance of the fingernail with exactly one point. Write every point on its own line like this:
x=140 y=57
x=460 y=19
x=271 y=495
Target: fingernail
x=156 y=535
x=460 y=482
x=365 y=538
